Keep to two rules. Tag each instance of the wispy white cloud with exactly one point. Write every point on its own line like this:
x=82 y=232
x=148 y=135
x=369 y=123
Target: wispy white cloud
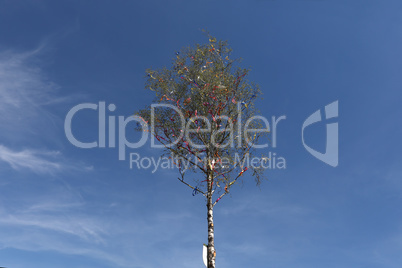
x=52 y=206
x=39 y=161
x=63 y=214
x=24 y=89
x=27 y=99
x=56 y=226
x=69 y=228
x=36 y=161
x=81 y=227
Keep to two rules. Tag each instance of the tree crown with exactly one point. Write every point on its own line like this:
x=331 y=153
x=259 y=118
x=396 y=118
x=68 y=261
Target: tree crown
x=205 y=105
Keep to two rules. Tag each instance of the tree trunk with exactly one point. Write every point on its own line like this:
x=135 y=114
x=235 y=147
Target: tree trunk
x=210 y=216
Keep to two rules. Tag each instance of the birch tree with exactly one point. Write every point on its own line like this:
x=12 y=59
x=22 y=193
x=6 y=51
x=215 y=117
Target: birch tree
x=202 y=115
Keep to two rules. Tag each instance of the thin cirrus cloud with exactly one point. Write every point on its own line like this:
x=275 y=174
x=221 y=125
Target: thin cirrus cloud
x=24 y=89
x=35 y=161
x=39 y=162
x=26 y=99
x=81 y=227
x=67 y=227
x=53 y=225
x=29 y=99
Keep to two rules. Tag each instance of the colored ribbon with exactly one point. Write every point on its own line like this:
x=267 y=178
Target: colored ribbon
x=195 y=191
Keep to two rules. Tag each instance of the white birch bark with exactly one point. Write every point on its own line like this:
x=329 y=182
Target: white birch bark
x=210 y=216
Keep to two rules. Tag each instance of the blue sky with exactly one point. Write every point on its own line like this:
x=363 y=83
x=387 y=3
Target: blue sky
x=62 y=206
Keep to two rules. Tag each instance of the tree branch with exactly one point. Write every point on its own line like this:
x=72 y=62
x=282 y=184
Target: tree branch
x=182 y=180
